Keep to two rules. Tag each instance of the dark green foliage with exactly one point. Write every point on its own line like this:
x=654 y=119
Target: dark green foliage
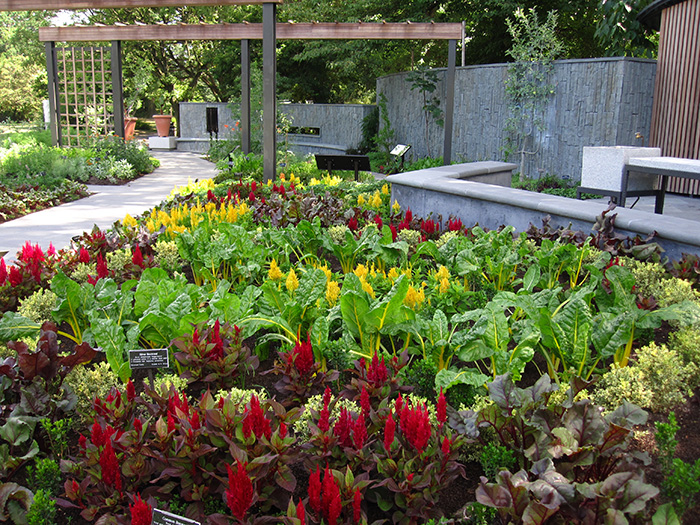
x=421 y=375
x=128 y=150
x=370 y=128
x=45 y=475
x=461 y=394
x=43 y=509
x=494 y=458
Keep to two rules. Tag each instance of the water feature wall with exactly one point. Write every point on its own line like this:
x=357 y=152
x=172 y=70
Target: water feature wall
x=596 y=102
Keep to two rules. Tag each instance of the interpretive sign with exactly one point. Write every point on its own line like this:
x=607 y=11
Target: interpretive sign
x=149 y=358
x=160 y=517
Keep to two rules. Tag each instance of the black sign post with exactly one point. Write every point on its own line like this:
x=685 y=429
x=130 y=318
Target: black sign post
x=149 y=358
x=343 y=162
x=160 y=517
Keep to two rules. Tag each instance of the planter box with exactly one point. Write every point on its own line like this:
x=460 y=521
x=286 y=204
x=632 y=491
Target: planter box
x=167 y=143
x=602 y=168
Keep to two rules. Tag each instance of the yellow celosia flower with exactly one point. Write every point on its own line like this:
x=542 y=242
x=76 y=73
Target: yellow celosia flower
x=393 y=274
x=327 y=271
x=414 y=297
x=332 y=292
x=360 y=200
x=385 y=189
x=444 y=285
x=292 y=283
x=376 y=200
x=361 y=271
x=442 y=273
x=367 y=288
x=408 y=273
x=274 y=273
x=129 y=221
x=396 y=208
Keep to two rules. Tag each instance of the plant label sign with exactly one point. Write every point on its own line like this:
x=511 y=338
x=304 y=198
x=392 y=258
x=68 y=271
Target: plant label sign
x=160 y=517
x=149 y=358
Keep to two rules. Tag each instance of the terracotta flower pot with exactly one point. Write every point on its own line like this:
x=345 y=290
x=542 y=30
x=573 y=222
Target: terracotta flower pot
x=163 y=124
x=129 y=127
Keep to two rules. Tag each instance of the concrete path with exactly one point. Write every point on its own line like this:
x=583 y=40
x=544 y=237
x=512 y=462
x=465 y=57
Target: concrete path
x=60 y=224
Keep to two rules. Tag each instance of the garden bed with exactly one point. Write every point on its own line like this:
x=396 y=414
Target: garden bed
x=338 y=353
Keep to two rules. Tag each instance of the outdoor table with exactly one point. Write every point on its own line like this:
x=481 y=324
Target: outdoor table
x=665 y=167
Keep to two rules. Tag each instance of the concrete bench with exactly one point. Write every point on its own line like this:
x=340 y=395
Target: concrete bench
x=663 y=167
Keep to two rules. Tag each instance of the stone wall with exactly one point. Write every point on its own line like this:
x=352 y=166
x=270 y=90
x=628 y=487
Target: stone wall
x=597 y=102
x=339 y=125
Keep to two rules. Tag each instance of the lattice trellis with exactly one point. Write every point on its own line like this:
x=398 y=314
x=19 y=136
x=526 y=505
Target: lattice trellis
x=85 y=98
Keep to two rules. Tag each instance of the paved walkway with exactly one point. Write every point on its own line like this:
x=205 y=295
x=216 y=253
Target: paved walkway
x=108 y=204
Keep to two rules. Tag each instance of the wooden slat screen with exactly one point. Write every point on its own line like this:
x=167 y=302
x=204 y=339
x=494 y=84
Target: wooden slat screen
x=85 y=96
x=675 y=124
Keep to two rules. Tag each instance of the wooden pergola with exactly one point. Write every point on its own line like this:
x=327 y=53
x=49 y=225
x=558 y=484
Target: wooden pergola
x=269 y=31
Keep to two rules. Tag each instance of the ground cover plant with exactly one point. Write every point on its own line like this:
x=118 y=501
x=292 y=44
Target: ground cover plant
x=335 y=359
x=34 y=175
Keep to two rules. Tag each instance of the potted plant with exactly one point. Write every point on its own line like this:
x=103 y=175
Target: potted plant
x=132 y=103
x=162 y=119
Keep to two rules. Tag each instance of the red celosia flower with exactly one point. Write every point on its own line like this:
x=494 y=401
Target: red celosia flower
x=51 y=251
x=415 y=425
x=455 y=225
x=255 y=421
x=3 y=271
x=389 y=430
x=364 y=401
x=218 y=351
x=359 y=432
x=342 y=428
x=352 y=224
x=82 y=442
x=211 y=196
x=102 y=270
x=357 y=506
x=409 y=216
x=301 y=511
x=16 y=277
x=91 y=280
x=377 y=373
x=398 y=405
x=130 y=391
x=409 y=478
x=303 y=356
x=331 y=497
x=446 y=443
x=84 y=255
x=323 y=418
x=315 y=490
x=239 y=495
x=138 y=426
x=283 y=430
x=96 y=436
x=171 y=423
x=137 y=257
x=110 y=467
x=253 y=186
x=327 y=395
x=141 y=512
x=251 y=197
x=283 y=190
x=441 y=408
x=195 y=337
x=394 y=233
x=378 y=221
x=194 y=421
x=429 y=227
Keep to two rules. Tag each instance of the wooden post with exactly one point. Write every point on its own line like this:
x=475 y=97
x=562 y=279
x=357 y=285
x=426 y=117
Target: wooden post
x=269 y=92
x=54 y=119
x=449 y=100
x=117 y=88
x=245 y=96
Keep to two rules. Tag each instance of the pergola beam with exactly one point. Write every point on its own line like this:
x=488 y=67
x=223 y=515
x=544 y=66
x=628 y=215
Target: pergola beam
x=55 y=5
x=287 y=31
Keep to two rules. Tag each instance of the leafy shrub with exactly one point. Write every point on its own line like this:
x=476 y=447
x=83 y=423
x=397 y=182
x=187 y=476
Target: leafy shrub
x=657 y=380
x=421 y=375
x=686 y=343
x=45 y=475
x=111 y=170
x=131 y=151
x=38 y=306
x=43 y=509
x=494 y=458
x=89 y=382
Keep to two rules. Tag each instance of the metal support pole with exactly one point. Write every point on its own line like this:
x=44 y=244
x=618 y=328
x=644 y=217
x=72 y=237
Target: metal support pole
x=269 y=92
x=51 y=73
x=449 y=100
x=117 y=88
x=245 y=96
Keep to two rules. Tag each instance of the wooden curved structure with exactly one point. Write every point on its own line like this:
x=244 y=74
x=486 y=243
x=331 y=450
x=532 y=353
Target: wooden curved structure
x=675 y=123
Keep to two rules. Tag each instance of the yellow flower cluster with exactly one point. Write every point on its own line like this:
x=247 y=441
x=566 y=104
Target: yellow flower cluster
x=129 y=221
x=332 y=292
x=292 y=282
x=192 y=187
x=396 y=207
x=374 y=201
x=327 y=180
x=275 y=274
x=415 y=297
x=443 y=278
x=185 y=217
